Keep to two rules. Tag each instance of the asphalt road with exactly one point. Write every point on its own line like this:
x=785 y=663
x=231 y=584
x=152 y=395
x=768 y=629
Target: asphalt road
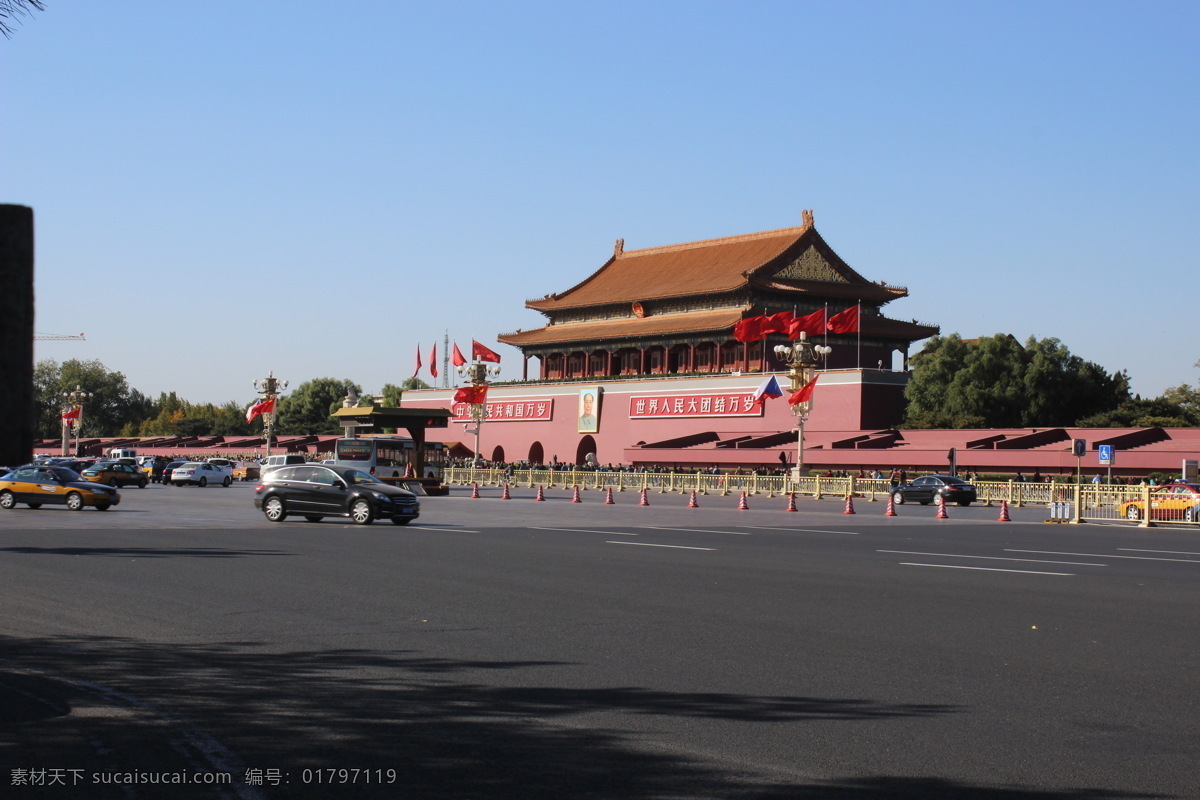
x=522 y=649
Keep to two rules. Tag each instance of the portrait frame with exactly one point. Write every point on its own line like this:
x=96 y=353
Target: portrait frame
x=588 y=410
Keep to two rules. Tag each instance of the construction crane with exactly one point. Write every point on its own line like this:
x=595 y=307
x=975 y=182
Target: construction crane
x=55 y=337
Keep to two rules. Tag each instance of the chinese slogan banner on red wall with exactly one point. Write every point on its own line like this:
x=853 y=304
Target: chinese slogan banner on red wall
x=508 y=410
x=730 y=404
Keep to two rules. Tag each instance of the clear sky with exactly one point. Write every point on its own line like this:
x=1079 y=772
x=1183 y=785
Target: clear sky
x=225 y=188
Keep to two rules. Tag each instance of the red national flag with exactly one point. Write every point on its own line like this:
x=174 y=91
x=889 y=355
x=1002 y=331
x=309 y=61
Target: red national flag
x=417 y=370
x=748 y=330
x=481 y=353
x=777 y=323
x=457 y=358
x=810 y=325
x=72 y=414
x=804 y=393
x=845 y=322
x=264 y=406
x=433 y=361
x=476 y=395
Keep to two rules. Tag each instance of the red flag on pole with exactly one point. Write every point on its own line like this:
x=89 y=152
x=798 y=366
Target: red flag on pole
x=433 y=360
x=417 y=369
x=481 y=353
x=810 y=325
x=476 y=395
x=748 y=330
x=777 y=323
x=72 y=414
x=457 y=358
x=844 y=322
x=804 y=393
x=264 y=406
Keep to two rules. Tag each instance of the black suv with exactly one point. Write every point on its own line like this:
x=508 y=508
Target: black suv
x=315 y=490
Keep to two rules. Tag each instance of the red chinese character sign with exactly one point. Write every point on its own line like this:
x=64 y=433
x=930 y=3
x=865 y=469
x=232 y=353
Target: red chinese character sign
x=728 y=404
x=514 y=410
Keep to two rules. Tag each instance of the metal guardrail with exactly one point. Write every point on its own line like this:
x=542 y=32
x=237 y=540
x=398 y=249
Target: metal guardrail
x=1064 y=502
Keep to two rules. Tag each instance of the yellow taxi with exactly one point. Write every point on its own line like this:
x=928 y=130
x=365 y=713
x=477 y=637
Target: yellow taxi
x=246 y=471
x=36 y=485
x=115 y=473
x=1175 y=501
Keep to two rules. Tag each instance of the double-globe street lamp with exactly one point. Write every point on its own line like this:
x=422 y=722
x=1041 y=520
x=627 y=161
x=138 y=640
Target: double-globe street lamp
x=269 y=387
x=477 y=374
x=801 y=356
x=72 y=417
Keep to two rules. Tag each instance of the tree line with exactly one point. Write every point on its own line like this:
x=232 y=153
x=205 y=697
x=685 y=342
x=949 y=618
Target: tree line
x=993 y=382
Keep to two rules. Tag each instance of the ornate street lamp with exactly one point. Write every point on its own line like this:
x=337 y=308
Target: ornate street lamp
x=477 y=373
x=72 y=400
x=802 y=357
x=269 y=387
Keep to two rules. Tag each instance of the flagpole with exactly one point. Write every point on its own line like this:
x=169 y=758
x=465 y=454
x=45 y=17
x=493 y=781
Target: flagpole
x=858 y=317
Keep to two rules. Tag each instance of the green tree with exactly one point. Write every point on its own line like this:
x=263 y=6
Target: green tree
x=309 y=407
x=111 y=406
x=391 y=395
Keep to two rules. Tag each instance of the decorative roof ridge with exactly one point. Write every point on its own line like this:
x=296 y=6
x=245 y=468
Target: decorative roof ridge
x=744 y=237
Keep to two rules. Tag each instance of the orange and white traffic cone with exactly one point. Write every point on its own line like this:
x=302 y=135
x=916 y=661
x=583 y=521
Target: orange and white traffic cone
x=408 y=472
x=692 y=503
x=1004 y=512
x=742 y=506
x=645 y=501
x=505 y=495
x=890 y=511
x=541 y=498
x=791 y=506
x=474 y=491
x=575 y=497
x=608 y=501
x=849 y=504
x=942 y=509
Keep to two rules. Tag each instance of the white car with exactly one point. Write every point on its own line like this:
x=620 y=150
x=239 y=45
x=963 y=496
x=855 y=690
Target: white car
x=202 y=473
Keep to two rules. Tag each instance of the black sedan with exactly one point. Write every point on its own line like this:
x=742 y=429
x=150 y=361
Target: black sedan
x=315 y=491
x=927 y=489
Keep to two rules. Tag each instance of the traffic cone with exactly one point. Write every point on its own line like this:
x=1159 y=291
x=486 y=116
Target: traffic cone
x=541 y=498
x=1004 y=512
x=505 y=495
x=408 y=472
x=849 y=504
x=575 y=497
x=474 y=491
x=645 y=501
x=890 y=511
x=608 y=501
x=692 y=503
x=742 y=503
x=942 y=509
x=791 y=501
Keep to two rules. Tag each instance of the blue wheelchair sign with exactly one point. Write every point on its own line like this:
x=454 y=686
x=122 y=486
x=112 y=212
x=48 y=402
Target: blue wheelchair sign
x=1106 y=453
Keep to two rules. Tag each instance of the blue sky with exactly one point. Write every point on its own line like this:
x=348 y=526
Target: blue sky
x=226 y=188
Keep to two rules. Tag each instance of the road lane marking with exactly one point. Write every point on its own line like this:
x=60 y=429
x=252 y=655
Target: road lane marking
x=983 y=569
x=1102 y=555
x=441 y=530
x=671 y=546
x=800 y=530
x=994 y=558
x=698 y=530
x=582 y=530
x=1168 y=552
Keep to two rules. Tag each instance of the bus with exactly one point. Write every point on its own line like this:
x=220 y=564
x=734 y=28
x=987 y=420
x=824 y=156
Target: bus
x=388 y=457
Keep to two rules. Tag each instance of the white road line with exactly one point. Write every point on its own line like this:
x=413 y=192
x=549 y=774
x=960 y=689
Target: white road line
x=799 y=530
x=582 y=530
x=1102 y=555
x=1167 y=552
x=994 y=558
x=441 y=530
x=698 y=530
x=983 y=569
x=671 y=546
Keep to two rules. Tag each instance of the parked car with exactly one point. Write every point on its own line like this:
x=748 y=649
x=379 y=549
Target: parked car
x=1179 y=501
x=116 y=474
x=168 y=468
x=36 y=485
x=201 y=473
x=928 y=488
x=315 y=491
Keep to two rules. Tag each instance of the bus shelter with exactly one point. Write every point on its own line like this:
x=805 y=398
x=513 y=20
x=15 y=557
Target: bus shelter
x=374 y=419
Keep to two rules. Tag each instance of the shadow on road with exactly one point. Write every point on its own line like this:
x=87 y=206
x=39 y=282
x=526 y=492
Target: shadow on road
x=144 y=552
x=446 y=730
